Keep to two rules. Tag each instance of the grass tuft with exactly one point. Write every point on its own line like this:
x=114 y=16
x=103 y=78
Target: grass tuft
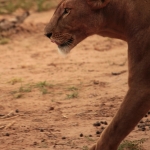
x=72 y=88
x=15 y=80
x=4 y=41
x=18 y=95
x=85 y=148
x=25 y=89
x=72 y=95
x=132 y=145
x=43 y=87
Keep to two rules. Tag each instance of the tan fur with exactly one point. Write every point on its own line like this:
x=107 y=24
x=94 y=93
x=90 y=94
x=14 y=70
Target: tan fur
x=128 y=20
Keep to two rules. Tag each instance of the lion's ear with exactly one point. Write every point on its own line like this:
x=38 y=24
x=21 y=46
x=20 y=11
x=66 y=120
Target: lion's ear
x=97 y=4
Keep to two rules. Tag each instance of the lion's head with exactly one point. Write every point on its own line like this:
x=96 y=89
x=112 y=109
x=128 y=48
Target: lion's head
x=71 y=22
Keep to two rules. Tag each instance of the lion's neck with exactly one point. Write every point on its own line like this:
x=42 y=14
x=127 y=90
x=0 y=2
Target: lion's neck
x=116 y=20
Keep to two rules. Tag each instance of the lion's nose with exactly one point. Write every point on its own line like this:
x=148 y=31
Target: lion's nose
x=48 y=35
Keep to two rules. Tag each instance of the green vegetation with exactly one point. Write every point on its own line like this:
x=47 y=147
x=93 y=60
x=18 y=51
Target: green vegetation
x=8 y=7
x=43 y=5
x=127 y=145
x=42 y=86
x=18 y=95
x=72 y=95
x=25 y=89
x=4 y=41
x=89 y=138
x=15 y=80
x=72 y=88
x=85 y=148
x=132 y=145
x=74 y=92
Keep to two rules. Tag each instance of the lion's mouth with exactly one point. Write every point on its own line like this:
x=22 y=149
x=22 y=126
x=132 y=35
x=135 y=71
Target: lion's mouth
x=65 y=47
x=67 y=43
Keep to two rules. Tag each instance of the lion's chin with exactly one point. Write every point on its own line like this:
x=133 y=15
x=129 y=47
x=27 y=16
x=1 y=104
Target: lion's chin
x=64 y=50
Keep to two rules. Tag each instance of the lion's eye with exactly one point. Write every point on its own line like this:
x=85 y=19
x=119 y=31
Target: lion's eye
x=66 y=10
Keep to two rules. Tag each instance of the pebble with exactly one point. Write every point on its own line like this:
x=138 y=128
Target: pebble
x=96 y=124
x=17 y=111
x=41 y=130
x=7 y=134
x=147 y=120
x=98 y=132
x=141 y=121
x=51 y=108
x=105 y=123
x=43 y=140
x=102 y=128
x=35 y=143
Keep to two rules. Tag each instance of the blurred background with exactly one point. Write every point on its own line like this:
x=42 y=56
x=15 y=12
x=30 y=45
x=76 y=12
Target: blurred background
x=10 y=6
x=17 y=16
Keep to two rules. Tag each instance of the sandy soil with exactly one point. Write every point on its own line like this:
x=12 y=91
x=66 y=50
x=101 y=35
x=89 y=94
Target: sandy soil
x=48 y=101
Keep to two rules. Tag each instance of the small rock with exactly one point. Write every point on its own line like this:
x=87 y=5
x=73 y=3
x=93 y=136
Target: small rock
x=98 y=132
x=51 y=108
x=7 y=134
x=43 y=140
x=63 y=138
x=17 y=111
x=96 y=124
x=102 y=128
x=35 y=143
x=81 y=135
x=105 y=123
x=41 y=130
x=95 y=82
x=141 y=121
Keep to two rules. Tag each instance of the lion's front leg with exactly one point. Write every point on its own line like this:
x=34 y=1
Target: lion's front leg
x=93 y=147
x=135 y=105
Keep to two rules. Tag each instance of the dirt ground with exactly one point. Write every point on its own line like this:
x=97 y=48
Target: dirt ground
x=48 y=101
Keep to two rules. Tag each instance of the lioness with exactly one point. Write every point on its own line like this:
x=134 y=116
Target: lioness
x=129 y=20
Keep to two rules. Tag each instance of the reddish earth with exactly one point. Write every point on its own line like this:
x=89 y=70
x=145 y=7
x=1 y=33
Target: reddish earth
x=48 y=101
